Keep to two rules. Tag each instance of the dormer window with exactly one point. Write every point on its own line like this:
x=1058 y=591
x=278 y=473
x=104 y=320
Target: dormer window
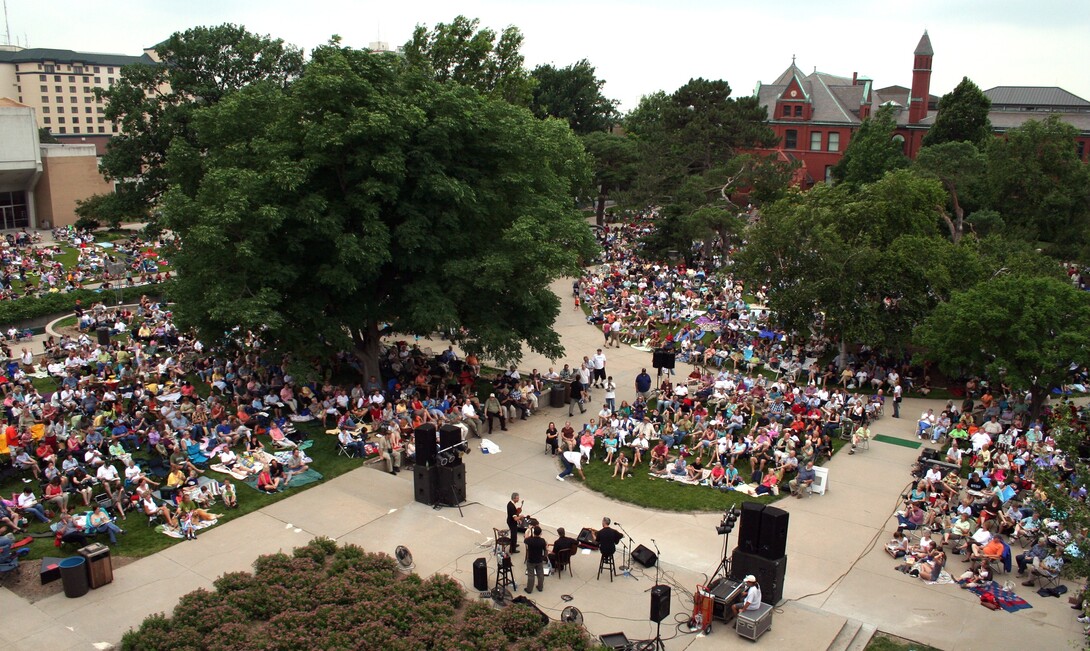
x=786 y=110
x=798 y=110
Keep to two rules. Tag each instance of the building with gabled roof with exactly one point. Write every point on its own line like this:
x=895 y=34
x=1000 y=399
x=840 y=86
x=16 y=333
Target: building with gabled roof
x=815 y=114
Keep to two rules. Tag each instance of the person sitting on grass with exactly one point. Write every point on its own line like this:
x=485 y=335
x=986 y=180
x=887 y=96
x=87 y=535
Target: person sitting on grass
x=187 y=505
x=769 y=484
x=101 y=522
x=621 y=465
x=69 y=530
x=609 y=441
x=151 y=509
x=266 y=482
x=27 y=502
x=295 y=466
x=55 y=494
x=230 y=497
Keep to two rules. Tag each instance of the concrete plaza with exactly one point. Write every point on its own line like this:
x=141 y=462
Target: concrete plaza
x=839 y=580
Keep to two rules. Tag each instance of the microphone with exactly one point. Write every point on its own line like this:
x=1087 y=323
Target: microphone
x=617 y=523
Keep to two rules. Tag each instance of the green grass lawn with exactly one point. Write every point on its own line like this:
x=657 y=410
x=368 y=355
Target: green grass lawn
x=665 y=495
x=142 y=540
x=882 y=642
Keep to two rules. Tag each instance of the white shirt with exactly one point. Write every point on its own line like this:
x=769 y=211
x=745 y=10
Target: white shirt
x=107 y=473
x=468 y=411
x=753 y=597
x=574 y=457
x=598 y=361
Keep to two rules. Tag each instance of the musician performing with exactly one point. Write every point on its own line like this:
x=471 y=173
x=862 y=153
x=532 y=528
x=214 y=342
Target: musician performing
x=514 y=517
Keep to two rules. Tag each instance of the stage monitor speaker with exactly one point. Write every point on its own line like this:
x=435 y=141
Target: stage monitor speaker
x=645 y=556
x=480 y=575
x=663 y=359
x=586 y=538
x=426 y=446
x=749 y=527
x=452 y=485
x=769 y=573
x=660 y=602
x=425 y=484
x=773 y=541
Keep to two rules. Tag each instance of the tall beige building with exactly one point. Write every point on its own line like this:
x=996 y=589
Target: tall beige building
x=59 y=85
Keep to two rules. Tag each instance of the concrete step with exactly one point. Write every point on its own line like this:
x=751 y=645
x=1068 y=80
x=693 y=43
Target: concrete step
x=862 y=637
x=846 y=635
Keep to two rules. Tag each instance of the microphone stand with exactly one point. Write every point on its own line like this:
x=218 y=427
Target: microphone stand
x=626 y=542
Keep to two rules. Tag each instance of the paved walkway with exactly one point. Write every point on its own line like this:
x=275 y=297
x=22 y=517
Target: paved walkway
x=837 y=574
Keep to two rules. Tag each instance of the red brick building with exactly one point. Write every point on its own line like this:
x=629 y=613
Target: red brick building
x=814 y=115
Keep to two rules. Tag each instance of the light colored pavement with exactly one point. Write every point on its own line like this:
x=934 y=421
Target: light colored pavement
x=837 y=573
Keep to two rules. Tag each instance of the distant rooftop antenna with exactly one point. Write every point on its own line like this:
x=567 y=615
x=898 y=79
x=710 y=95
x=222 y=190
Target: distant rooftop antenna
x=7 y=25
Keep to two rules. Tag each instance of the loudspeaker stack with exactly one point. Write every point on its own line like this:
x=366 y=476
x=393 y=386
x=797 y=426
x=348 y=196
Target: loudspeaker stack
x=762 y=549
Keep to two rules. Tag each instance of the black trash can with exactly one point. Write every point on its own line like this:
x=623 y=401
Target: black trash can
x=74 y=576
x=103 y=336
x=567 y=391
x=556 y=396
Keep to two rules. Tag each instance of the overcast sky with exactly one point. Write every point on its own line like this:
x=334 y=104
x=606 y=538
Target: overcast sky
x=641 y=46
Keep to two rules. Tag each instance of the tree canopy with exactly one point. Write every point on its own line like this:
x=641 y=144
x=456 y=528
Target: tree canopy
x=152 y=104
x=872 y=151
x=366 y=195
x=962 y=117
x=1040 y=186
x=1021 y=329
x=614 y=158
x=573 y=93
x=961 y=168
x=463 y=53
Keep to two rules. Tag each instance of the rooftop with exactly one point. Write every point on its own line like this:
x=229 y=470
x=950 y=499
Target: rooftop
x=1035 y=96
x=37 y=54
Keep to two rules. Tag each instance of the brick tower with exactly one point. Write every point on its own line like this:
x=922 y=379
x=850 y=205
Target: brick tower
x=921 y=80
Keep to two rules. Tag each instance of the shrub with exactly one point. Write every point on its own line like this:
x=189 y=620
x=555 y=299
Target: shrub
x=22 y=309
x=327 y=597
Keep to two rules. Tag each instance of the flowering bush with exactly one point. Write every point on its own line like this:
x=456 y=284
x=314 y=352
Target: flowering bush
x=328 y=597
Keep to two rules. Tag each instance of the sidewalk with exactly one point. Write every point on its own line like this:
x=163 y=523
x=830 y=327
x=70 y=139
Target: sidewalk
x=834 y=573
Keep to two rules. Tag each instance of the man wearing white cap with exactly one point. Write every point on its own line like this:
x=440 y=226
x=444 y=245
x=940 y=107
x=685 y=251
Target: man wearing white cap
x=752 y=600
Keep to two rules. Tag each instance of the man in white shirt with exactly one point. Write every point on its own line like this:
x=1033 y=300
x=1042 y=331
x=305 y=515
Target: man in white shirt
x=598 y=366
x=752 y=600
x=470 y=418
x=107 y=474
x=573 y=461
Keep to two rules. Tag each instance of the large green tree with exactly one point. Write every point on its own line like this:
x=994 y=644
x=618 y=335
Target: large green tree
x=366 y=196
x=463 y=53
x=153 y=104
x=573 y=93
x=1040 y=186
x=872 y=152
x=614 y=157
x=962 y=117
x=960 y=167
x=1021 y=330
x=866 y=262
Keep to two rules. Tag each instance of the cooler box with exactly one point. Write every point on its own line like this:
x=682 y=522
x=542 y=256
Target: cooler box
x=821 y=480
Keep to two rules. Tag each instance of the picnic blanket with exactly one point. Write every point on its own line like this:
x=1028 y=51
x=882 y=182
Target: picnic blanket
x=489 y=447
x=176 y=533
x=300 y=479
x=219 y=467
x=1006 y=599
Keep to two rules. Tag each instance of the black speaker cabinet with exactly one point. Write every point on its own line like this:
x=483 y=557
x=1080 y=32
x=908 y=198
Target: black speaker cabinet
x=660 y=602
x=425 y=484
x=663 y=359
x=773 y=541
x=103 y=336
x=769 y=573
x=452 y=485
x=449 y=436
x=426 y=445
x=480 y=575
x=586 y=539
x=645 y=556
x=749 y=527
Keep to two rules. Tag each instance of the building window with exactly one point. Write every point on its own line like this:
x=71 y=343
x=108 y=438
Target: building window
x=60 y=100
x=45 y=89
x=86 y=79
x=834 y=141
x=815 y=140
x=71 y=78
x=58 y=89
x=790 y=139
x=60 y=120
x=62 y=130
x=71 y=89
x=1080 y=148
x=786 y=111
x=56 y=77
x=101 y=120
x=829 y=174
x=60 y=109
x=86 y=89
x=41 y=77
x=50 y=68
x=99 y=109
x=98 y=80
x=46 y=120
x=114 y=128
x=97 y=70
x=87 y=100
x=798 y=110
x=78 y=70
x=900 y=140
x=86 y=109
x=45 y=109
x=44 y=99
x=75 y=119
x=75 y=129
x=102 y=129
x=110 y=71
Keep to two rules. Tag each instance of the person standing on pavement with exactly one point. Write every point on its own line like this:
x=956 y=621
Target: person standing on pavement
x=514 y=513
x=898 y=393
x=493 y=409
x=611 y=394
x=598 y=366
x=576 y=398
x=585 y=375
x=535 y=560
x=643 y=385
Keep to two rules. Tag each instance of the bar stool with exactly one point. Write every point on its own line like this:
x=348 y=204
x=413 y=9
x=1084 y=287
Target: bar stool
x=607 y=562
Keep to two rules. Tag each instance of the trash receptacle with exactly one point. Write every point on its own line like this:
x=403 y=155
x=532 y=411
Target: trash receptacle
x=100 y=570
x=74 y=576
x=556 y=396
x=103 y=336
x=567 y=390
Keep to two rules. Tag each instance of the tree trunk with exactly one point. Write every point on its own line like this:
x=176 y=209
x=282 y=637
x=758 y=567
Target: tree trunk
x=1036 y=401
x=600 y=212
x=958 y=228
x=368 y=348
x=843 y=358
